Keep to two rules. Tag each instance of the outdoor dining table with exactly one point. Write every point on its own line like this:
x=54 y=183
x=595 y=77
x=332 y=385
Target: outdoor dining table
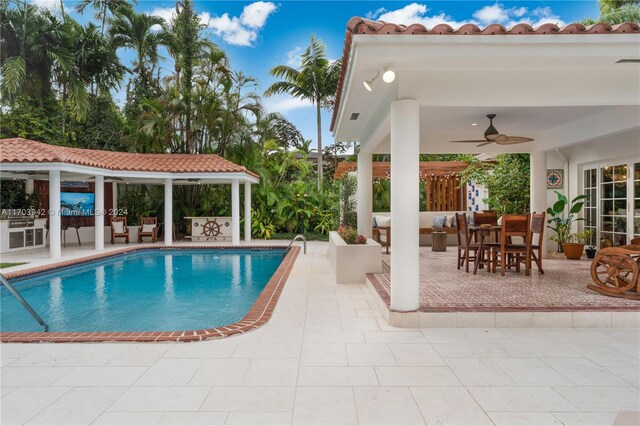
x=480 y=233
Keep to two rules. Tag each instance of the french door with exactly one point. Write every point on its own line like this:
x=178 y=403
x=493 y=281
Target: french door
x=613 y=207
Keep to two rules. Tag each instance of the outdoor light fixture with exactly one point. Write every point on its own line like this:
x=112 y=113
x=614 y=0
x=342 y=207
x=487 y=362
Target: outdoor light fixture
x=388 y=76
x=368 y=84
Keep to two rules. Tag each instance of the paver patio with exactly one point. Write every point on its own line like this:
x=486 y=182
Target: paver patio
x=328 y=357
x=562 y=287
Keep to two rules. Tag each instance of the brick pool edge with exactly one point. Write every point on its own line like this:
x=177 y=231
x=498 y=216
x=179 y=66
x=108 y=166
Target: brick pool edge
x=256 y=317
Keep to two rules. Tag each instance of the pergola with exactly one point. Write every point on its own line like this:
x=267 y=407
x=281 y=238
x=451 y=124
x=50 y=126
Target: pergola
x=30 y=160
x=560 y=86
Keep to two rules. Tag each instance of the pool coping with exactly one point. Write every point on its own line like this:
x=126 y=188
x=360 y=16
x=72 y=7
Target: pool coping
x=257 y=316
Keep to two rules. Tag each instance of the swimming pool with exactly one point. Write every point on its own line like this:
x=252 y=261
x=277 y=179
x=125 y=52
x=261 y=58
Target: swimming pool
x=150 y=290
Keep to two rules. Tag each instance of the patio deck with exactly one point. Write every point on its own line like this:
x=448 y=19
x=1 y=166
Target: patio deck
x=328 y=357
x=443 y=288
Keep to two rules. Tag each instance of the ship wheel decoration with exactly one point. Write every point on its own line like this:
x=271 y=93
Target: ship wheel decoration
x=211 y=228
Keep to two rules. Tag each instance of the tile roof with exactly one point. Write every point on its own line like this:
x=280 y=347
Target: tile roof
x=362 y=26
x=19 y=150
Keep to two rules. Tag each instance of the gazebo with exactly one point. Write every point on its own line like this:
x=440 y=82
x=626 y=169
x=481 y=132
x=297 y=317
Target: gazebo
x=30 y=160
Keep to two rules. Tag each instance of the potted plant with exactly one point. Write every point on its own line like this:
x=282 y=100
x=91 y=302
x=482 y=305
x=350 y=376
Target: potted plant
x=574 y=246
x=591 y=250
x=561 y=224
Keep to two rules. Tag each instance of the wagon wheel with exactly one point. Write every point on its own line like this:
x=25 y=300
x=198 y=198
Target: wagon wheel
x=211 y=228
x=616 y=273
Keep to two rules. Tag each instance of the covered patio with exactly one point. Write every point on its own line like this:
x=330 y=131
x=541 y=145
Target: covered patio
x=425 y=88
x=31 y=161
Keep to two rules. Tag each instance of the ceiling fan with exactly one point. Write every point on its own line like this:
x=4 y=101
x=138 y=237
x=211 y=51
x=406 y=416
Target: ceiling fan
x=492 y=135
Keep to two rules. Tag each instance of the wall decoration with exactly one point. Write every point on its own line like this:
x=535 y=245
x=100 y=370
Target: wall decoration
x=555 y=178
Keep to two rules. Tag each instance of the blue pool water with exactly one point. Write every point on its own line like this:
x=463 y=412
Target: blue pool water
x=150 y=290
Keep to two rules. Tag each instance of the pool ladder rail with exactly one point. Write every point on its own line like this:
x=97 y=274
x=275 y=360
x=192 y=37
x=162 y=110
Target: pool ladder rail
x=299 y=237
x=12 y=290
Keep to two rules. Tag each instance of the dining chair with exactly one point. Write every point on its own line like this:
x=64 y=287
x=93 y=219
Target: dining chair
x=512 y=226
x=465 y=246
x=537 y=229
x=490 y=218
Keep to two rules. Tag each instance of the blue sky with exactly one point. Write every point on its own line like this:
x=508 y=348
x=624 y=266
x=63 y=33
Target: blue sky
x=258 y=35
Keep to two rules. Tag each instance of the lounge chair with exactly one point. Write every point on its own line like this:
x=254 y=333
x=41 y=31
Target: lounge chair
x=148 y=228
x=119 y=229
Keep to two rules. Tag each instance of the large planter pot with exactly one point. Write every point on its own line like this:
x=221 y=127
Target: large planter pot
x=573 y=251
x=351 y=262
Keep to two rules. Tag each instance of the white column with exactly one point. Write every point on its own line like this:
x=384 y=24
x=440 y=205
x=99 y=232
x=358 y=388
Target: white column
x=114 y=196
x=28 y=186
x=99 y=213
x=405 y=237
x=235 y=212
x=247 y=211
x=365 y=197
x=538 y=185
x=168 y=212
x=55 y=224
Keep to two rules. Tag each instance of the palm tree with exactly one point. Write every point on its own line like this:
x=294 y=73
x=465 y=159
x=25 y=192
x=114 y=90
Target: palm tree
x=316 y=80
x=134 y=31
x=103 y=7
x=32 y=44
x=608 y=6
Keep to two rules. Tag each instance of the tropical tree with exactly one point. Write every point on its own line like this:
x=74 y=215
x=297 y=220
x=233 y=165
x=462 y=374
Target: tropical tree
x=31 y=47
x=103 y=8
x=316 y=80
x=138 y=31
x=188 y=48
x=615 y=12
x=608 y=6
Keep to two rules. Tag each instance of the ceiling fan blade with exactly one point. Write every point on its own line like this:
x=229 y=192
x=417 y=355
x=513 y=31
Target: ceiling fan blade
x=473 y=141
x=512 y=140
x=484 y=143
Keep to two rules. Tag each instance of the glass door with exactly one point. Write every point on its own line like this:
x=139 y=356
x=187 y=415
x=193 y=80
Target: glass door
x=591 y=204
x=636 y=200
x=613 y=205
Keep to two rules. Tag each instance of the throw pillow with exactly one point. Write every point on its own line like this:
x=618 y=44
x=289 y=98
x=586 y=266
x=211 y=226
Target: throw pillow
x=438 y=221
x=383 y=221
x=373 y=223
x=148 y=227
x=449 y=221
x=470 y=220
x=118 y=227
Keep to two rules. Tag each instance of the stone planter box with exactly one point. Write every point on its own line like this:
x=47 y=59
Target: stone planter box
x=350 y=262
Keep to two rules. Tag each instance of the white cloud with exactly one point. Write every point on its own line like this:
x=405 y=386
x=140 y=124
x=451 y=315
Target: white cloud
x=492 y=14
x=416 y=13
x=377 y=12
x=243 y=30
x=293 y=57
x=169 y=14
x=52 y=5
x=516 y=15
x=284 y=104
x=255 y=15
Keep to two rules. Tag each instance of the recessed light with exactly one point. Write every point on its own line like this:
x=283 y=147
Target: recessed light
x=474 y=124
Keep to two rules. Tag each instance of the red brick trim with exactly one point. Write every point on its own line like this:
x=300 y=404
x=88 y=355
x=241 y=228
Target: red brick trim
x=257 y=316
